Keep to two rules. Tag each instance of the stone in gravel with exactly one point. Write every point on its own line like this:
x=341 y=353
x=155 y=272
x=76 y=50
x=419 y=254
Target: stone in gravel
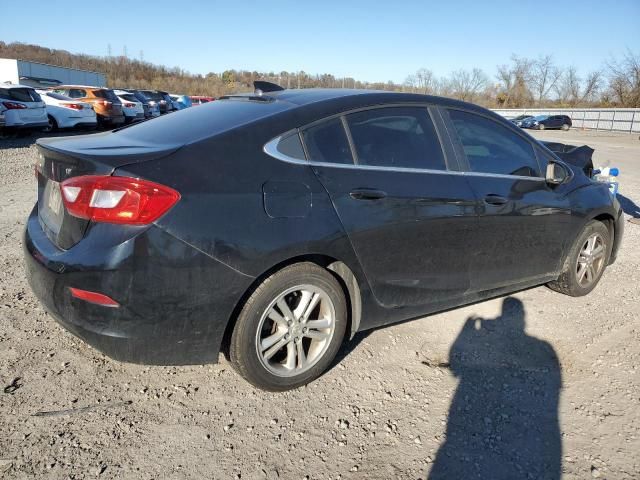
x=228 y=427
x=343 y=423
x=5 y=465
x=595 y=473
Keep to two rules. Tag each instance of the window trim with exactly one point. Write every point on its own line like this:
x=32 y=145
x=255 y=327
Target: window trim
x=462 y=157
x=271 y=147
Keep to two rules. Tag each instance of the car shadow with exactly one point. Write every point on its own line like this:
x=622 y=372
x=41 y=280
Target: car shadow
x=503 y=419
x=629 y=206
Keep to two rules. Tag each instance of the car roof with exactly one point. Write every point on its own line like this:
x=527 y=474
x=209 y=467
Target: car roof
x=15 y=85
x=352 y=98
x=92 y=87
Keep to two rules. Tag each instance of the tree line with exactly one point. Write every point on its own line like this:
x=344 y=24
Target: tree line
x=522 y=82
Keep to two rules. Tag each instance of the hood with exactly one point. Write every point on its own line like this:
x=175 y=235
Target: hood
x=580 y=157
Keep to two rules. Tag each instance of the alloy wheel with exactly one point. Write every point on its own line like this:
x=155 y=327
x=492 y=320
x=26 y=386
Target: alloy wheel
x=591 y=260
x=295 y=330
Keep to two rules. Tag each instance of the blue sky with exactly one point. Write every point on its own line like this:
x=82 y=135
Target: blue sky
x=368 y=40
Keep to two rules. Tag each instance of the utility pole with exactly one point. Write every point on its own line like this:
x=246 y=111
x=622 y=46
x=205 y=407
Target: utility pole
x=141 y=56
x=108 y=50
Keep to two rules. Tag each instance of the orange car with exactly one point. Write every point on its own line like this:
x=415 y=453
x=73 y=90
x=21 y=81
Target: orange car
x=106 y=104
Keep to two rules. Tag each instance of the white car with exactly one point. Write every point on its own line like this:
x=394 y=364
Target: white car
x=132 y=108
x=65 y=112
x=21 y=108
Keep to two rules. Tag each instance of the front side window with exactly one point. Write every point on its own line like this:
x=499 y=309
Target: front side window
x=493 y=148
x=327 y=142
x=400 y=137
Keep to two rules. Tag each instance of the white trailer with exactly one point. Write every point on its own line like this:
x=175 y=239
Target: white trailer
x=41 y=75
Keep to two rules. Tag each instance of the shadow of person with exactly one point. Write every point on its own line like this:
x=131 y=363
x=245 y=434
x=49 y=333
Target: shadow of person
x=629 y=206
x=503 y=419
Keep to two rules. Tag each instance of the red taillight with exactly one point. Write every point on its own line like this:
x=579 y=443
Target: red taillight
x=93 y=297
x=129 y=105
x=74 y=106
x=106 y=103
x=122 y=200
x=14 y=106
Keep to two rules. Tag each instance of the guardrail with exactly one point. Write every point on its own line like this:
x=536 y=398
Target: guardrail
x=608 y=119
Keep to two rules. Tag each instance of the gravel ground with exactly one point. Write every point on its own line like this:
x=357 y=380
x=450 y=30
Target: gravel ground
x=537 y=383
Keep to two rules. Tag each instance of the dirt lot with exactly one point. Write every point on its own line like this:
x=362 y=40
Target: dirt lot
x=546 y=382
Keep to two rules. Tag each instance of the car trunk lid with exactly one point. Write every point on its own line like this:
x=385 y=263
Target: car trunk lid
x=63 y=158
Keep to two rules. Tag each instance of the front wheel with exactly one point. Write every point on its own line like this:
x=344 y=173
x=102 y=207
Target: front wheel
x=586 y=261
x=290 y=328
x=541 y=127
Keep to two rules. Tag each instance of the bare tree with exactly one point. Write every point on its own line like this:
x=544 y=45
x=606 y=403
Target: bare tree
x=624 y=79
x=591 y=87
x=544 y=77
x=514 y=82
x=465 y=84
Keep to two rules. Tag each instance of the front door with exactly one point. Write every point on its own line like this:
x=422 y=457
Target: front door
x=524 y=223
x=408 y=217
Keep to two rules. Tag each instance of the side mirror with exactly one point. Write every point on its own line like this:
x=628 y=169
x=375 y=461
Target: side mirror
x=556 y=173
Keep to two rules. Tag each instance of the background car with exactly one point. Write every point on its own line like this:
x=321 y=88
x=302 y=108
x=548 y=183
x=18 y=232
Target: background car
x=541 y=122
x=199 y=99
x=65 y=112
x=21 y=108
x=167 y=98
x=519 y=119
x=156 y=98
x=181 y=101
x=152 y=109
x=132 y=108
x=105 y=103
x=285 y=225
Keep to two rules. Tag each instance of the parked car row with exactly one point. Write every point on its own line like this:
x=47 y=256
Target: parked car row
x=541 y=122
x=81 y=106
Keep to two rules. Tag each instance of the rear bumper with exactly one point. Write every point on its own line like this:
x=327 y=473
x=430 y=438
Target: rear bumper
x=111 y=120
x=175 y=301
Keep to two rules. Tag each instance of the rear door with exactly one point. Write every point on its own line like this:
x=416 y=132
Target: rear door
x=407 y=212
x=524 y=223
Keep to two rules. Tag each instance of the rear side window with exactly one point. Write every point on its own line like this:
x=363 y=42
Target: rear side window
x=57 y=96
x=327 y=142
x=493 y=148
x=77 y=93
x=291 y=146
x=401 y=137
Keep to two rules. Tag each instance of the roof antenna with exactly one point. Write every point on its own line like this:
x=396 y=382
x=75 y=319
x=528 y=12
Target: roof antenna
x=261 y=87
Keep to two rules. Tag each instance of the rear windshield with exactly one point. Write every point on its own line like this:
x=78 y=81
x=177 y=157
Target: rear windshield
x=152 y=95
x=20 y=94
x=129 y=97
x=106 y=94
x=193 y=124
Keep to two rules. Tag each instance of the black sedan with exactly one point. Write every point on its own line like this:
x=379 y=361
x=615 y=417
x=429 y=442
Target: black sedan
x=274 y=225
x=542 y=122
x=517 y=121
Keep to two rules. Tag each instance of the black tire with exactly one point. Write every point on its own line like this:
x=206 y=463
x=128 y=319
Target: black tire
x=568 y=282
x=249 y=330
x=565 y=126
x=53 y=125
x=541 y=127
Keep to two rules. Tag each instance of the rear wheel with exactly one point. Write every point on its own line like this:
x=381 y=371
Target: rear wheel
x=565 y=126
x=586 y=261
x=52 y=125
x=290 y=329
